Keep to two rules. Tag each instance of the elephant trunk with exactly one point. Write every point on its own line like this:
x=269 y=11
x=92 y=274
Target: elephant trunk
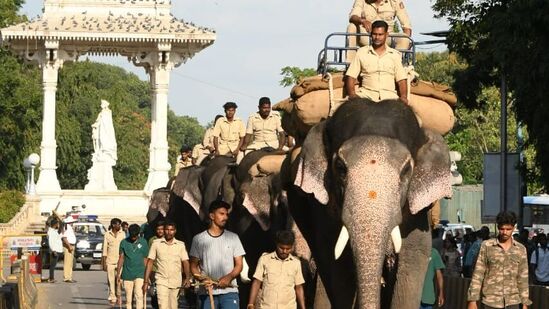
x=370 y=213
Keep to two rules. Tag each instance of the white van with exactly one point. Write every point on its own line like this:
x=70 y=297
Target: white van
x=458 y=230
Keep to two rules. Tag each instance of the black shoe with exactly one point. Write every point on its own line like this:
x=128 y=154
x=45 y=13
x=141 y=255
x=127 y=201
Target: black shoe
x=70 y=281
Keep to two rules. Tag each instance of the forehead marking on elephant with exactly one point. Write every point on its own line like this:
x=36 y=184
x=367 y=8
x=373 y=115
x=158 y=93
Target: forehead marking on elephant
x=372 y=195
x=373 y=162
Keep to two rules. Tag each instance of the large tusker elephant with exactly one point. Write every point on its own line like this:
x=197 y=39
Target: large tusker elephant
x=364 y=171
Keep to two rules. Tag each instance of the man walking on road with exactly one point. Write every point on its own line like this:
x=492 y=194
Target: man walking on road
x=172 y=262
x=56 y=247
x=158 y=234
x=69 y=240
x=111 y=253
x=216 y=255
x=133 y=256
x=279 y=276
x=500 y=277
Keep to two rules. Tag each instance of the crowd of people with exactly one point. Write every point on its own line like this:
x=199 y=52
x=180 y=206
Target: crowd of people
x=501 y=267
x=162 y=267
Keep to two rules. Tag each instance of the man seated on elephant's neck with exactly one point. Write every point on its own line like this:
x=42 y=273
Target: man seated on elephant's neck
x=264 y=129
x=381 y=70
x=229 y=132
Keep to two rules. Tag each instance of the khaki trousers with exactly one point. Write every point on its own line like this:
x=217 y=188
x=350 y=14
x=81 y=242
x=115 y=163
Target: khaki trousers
x=131 y=288
x=111 y=278
x=68 y=261
x=167 y=298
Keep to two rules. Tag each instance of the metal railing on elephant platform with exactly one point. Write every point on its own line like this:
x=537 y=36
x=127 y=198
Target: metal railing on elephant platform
x=455 y=294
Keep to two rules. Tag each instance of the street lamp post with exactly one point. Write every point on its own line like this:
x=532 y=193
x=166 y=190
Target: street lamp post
x=27 y=166
x=34 y=159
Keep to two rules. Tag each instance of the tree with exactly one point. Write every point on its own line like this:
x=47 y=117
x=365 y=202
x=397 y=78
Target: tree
x=292 y=75
x=504 y=38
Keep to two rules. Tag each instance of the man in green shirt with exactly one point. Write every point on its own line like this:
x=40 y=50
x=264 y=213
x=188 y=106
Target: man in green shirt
x=133 y=256
x=428 y=298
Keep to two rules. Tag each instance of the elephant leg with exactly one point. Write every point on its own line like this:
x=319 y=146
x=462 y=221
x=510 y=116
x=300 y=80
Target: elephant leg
x=412 y=260
x=321 y=230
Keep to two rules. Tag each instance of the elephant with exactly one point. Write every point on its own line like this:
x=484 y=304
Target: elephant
x=259 y=207
x=359 y=190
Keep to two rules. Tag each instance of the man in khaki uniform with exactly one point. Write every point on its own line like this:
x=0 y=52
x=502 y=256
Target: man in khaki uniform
x=201 y=151
x=229 y=132
x=380 y=68
x=172 y=261
x=111 y=253
x=264 y=129
x=69 y=241
x=365 y=12
x=279 y=275
x=184 y=159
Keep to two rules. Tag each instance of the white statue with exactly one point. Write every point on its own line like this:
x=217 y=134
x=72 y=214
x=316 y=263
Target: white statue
x=104 y=156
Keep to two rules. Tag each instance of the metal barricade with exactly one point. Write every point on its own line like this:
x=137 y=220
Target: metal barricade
x=333 y=55
x=455 y=294
x=27 y=291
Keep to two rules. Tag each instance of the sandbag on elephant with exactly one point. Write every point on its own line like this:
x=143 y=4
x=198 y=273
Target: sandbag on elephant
x=432 y=103
x=314 y=83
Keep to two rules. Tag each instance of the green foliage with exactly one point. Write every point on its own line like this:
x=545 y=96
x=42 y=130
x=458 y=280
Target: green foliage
x=8 y=12
x=20 y=118
x=292 y=75
x=475 y=131
x=10 y=203
x=505 y=38
x=182 y=130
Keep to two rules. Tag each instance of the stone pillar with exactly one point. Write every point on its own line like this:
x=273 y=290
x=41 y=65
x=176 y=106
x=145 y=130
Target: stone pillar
x=159 y=72
x=47 y=181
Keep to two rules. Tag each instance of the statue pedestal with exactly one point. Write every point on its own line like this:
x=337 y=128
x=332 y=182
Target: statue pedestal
x=129 y=205
x=100 y=177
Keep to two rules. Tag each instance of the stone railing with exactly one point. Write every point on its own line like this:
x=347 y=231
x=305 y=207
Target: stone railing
x=26 y=215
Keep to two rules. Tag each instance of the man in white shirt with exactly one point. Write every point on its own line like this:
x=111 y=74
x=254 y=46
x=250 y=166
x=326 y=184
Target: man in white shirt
x=69 y=241
x=56 y=247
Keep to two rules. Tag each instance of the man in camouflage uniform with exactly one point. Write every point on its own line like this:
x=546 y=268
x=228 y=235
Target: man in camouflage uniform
x=500 y=278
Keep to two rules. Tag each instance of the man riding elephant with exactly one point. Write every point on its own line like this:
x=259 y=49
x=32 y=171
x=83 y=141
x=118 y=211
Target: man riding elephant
x=264 y=129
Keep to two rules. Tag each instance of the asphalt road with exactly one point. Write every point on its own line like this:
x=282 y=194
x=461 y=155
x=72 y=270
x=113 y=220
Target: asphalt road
x=89 y=292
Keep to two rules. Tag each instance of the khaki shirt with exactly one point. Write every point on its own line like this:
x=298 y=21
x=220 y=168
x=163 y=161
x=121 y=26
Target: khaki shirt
x=208 y=139
x=229 y=134
x=279 y=278
x=264 y=131
x=379 y=73
x=181 y=164
x=111 y=246
x=500 y=277
x=386 y=11
x=168 y=259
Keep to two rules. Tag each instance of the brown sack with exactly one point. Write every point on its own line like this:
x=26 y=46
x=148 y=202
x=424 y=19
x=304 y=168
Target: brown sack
x=286 y=106
x=434 y=114
x=315 y=83
x=314 y=106
x=434 y=90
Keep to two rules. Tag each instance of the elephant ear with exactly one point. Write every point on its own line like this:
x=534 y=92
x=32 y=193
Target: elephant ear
x=431 y=178
x=313 y=164
x=186 y=186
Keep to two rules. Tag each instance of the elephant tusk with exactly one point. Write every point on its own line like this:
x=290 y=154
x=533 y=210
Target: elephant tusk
x=341 y=242
x=397 y=239
x=244 y=273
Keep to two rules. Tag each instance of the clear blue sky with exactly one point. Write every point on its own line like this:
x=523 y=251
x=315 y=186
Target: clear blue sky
x=255 y=39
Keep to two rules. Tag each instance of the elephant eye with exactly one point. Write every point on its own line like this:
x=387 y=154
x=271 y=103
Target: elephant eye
x=340 y=167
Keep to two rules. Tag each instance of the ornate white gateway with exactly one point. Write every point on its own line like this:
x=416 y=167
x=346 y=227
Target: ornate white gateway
x=144 y=31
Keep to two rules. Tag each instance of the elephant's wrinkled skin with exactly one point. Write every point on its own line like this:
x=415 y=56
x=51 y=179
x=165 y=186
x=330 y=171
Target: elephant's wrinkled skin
x=370 y=168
